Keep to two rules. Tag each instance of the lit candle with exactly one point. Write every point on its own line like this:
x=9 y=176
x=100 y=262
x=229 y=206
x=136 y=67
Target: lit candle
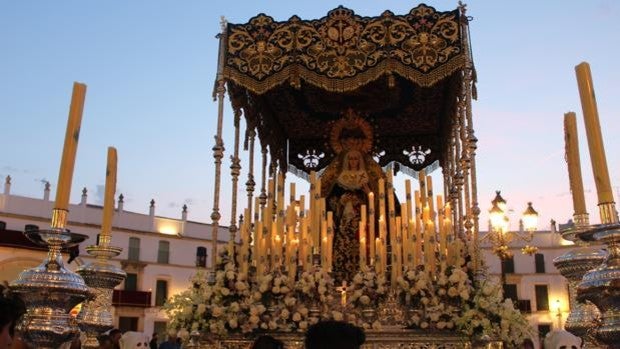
x=69 y=151
x=378 y=267
x=381 y=198
x=330 y=239
x=422 y=182
x=429 y=247
x=418 y=229
x=292 y=193
x=108 y=200
x=371 y=225
x=440 y=223
x=429 y=196
x=362 y=245
x=571 y=140
x=595 y=143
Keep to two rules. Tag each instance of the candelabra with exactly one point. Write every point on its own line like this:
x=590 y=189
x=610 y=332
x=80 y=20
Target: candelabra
x=50 y=290
x=95 y=316
x=573 y=265
x=601 y=285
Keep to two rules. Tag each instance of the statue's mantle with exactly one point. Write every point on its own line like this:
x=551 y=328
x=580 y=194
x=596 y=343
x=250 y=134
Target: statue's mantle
x=383 y=339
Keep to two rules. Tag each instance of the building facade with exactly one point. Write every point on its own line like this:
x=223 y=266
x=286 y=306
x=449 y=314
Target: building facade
x=159 y=255
x=532 y=281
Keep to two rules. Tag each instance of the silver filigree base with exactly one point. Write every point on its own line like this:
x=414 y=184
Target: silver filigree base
x=601 y=285
x=50 y=291
x=96 y=316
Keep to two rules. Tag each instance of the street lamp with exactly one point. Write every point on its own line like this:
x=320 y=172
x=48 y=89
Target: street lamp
x=500 y=235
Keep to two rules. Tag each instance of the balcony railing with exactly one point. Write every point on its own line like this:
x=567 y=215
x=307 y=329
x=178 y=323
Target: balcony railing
x=131 y=298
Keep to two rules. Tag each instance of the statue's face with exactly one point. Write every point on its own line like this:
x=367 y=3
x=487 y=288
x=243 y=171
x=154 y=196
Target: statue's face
x=354 y=161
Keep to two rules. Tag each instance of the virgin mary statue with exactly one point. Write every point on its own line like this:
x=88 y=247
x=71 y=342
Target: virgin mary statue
x=345 y=184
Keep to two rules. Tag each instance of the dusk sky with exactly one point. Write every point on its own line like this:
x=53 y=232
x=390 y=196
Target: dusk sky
x=150 y=67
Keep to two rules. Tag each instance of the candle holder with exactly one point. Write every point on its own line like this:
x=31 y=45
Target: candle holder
x=601 y=285
x=50 y=290
x=96 y=316
x=573 y=265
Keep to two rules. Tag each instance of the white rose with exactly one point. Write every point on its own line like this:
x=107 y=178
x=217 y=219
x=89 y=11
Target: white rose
x=376 y=325
x=296 y=317
x=225 y=291
x=241 y=286
x=337 y=315
x=263 y=287
x=424 y=300
x=275 y=289
x=424 y=324
x=234 y=307
x=365 y=300
x=230 y=275
x=441 y=325
x=264 y=326
x=441 y=291
x=358 y=279
x=232 y=323
x=284 y=314
x=284 y=289
x=254 y=319
x=217 y=311
x=464 y=295
x=303 y=325
x=273 y=325
x=303 y=311
x=322 y=289
x=453 y=292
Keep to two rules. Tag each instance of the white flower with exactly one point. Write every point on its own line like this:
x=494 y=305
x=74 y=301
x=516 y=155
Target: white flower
x=284 y=314
x=284 y=289
x=234 y=307
x=464 y=294
x=275 y=289
x=453 y=292
x=424 y=324
x=303 y=325
x=273 y=325
x=233 y=323
x=254 y=319
x=217 y=311
x=296 y=317
x=230 y=275
x=290 y=301
x=241 y=286
x=365 y=300
x=337 y=315
x=224 y=291
x=322 y=289
x=358 y=279
x=303 y=311
x=201 y=308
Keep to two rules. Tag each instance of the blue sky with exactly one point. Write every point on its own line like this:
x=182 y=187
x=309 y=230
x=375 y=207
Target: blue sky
x=150 y=67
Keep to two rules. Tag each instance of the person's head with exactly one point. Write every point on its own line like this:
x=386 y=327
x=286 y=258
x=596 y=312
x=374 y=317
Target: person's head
x=105 y=342
x=267 y=342
x=353 y=161
x=172 y=336
x=528 y=344
x=154 y=336
x=115 y=335
x=334 y=335
x=11 y=311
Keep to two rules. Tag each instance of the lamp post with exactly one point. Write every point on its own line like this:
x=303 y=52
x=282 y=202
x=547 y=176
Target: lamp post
x=500 y=235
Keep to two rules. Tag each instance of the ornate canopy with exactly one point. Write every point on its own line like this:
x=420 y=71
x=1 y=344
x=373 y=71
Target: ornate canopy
x=293 y=80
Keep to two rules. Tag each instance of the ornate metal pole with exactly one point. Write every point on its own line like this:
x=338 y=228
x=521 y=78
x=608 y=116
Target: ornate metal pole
x=218 y=148
x=235 y=170
x=250 y=184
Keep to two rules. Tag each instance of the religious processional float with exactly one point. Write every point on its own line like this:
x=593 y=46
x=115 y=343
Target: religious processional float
x=346 y=102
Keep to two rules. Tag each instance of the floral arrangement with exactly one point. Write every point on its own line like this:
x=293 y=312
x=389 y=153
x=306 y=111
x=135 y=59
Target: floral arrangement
x=446 y=300
x=368 y=288
x=432 y=303
x=489 y=314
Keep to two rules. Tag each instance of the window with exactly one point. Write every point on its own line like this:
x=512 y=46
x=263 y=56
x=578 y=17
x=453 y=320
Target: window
x=163 y=253
x=134 y=249
x=127 y=324
x=201 y=257
x=543 y=329
x=508 y=265
x=542 y=297
x=161 y=292
x=131 y=282
x=539 y=259
x=510 y=291
x=159 y=327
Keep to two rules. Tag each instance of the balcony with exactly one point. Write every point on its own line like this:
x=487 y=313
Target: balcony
x=524 y=305
x=123 y=298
